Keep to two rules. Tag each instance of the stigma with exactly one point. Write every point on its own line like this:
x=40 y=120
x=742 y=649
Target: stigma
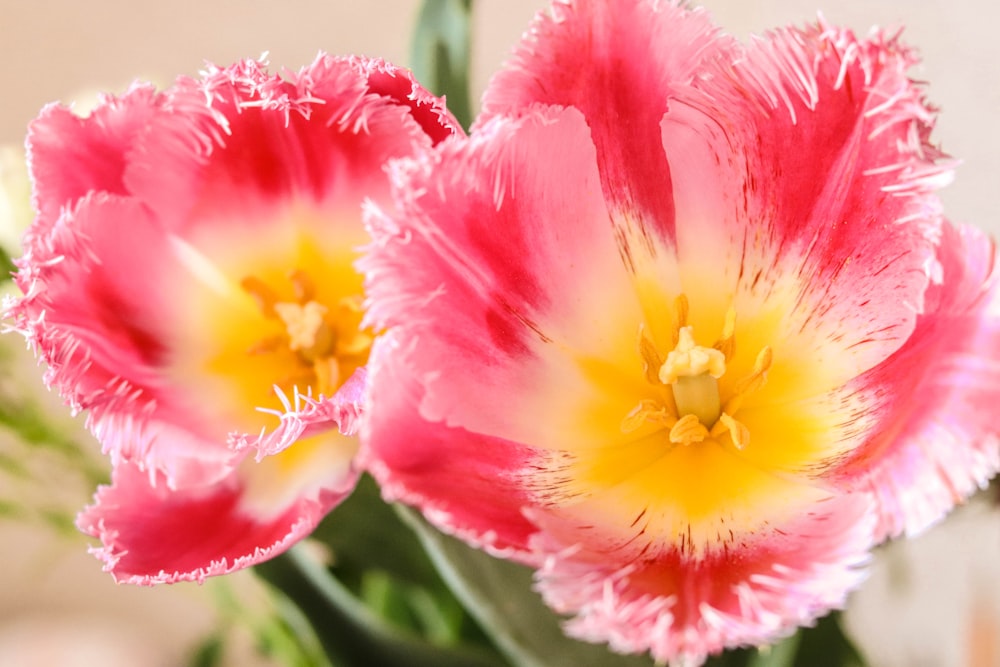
x=692 y=372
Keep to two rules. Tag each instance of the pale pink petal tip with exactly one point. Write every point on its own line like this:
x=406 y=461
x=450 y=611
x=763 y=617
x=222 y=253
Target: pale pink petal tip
x=936 y=448
x=304 y=416
x=152 y=534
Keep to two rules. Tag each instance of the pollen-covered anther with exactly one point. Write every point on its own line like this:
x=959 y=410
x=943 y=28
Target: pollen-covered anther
x=647 y=411
x=308 y=332
x=738 y=432
x=688 y=430
x=753 y=382
x=261 y=293
x=727 y=342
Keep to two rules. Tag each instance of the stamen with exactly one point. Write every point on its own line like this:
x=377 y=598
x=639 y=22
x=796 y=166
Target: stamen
x=302 y=284
x=687 y=430
x=681 y=309
x=647 y=410
x=727 y=343
x=308 y=332
x=738 y=432
x=266 y=345
x=355 y=345
x=753 y=382
x=651 y=359
x=327 y=371
x=262 y=294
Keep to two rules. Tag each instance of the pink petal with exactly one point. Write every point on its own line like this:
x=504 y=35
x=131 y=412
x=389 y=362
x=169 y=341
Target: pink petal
x=93 y=312
x=70 y=156
x=636 y=53
x=320 y=135
x=807 y=159
x=683 y=608
x=152 y=533
x=934 y=437
x=522 y=274
x=428 y=110
x=465 y=482
x=307 y=416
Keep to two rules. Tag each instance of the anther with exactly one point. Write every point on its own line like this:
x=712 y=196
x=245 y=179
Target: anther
x=681 y=309
x=739 y=433
x=262 y=294
x=727 y=343
x=687 y=430
x=647 y=410
x=303 y=286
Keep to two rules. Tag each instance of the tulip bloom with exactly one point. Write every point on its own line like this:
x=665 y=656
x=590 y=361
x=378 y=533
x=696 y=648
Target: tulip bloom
x=681 y=325
x=189 y=281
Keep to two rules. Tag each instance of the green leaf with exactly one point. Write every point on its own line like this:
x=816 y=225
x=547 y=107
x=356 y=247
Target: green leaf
x=364 y=533
x=7 y=268
x=439 y=55
x=351 y=634
x=209 y=653
x=781 y=654
x=826 y=645
x=498 y=594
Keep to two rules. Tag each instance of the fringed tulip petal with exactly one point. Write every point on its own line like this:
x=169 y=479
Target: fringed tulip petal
x=934 y=441
x=683 y=614
x=509 y=270
x=809 y=227
x=464 y=481
x=71 y=156
x=152 y=533
x=676 y=301
x=637 y=54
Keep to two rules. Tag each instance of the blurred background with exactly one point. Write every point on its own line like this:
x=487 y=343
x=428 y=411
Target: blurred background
x=930 y=602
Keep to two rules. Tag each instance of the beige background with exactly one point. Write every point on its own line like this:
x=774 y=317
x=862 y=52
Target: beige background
x=60 y=49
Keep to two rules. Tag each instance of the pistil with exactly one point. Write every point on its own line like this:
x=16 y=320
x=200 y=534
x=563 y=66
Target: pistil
x=692 y=372
x=694 y=410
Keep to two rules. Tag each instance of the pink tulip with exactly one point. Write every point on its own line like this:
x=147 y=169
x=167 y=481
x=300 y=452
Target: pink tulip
x=189 y=281
x=681 y=325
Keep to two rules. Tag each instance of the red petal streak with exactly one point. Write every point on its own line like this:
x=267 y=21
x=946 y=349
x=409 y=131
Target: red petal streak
x=635 y=53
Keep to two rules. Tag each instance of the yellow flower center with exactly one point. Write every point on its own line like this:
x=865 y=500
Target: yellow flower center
x=327 y=344
x=694 y=409
x=275 y=314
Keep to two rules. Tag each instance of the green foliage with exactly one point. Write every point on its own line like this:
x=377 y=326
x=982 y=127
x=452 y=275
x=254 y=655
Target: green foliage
x=439 y=55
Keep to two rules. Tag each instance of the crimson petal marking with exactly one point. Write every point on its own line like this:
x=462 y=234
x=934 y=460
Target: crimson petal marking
x=636 y=54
